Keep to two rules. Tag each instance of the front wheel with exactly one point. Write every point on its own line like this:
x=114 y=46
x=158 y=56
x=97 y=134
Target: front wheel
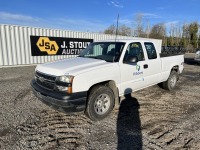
x=100 y=103
x=170 y=84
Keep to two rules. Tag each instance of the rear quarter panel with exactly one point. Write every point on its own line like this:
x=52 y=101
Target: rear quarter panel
x=168 y=63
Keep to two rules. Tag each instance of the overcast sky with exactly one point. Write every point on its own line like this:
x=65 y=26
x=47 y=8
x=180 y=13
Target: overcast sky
x=95 y=15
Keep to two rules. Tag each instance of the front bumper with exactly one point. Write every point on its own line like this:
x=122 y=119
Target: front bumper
x=63 y=102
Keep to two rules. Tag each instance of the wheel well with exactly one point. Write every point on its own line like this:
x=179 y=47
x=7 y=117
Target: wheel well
x=111 y=84
x=175 y=68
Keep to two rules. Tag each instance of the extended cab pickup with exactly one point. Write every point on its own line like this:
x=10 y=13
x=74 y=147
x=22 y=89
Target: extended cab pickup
x=94 y=81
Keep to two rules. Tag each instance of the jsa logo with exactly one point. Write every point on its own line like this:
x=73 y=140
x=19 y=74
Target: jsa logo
x=45 y=45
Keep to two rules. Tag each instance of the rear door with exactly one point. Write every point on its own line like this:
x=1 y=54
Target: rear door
x=154 y=67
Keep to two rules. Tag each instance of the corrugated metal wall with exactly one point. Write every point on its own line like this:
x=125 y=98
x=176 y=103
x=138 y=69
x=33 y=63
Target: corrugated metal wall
x=15 y=46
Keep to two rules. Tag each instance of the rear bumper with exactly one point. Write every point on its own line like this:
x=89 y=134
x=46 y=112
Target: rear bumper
x=75 y=102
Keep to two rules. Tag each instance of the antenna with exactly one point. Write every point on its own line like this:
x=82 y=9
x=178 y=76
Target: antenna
x=116 y=37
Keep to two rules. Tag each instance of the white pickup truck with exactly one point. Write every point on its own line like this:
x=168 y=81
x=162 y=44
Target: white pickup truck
x=94 y=81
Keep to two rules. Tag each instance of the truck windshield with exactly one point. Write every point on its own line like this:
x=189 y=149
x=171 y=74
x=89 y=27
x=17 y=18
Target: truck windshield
x=108 y=51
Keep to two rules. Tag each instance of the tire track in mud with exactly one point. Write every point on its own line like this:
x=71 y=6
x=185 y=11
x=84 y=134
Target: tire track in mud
x=180 y=132
x=181 y=135
x=22 y=95
x=189 y=133
x=170 y=138
x=53 y=130
x=102 y=134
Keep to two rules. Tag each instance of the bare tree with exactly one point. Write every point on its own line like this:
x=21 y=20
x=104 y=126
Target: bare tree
x=158 y=31
x=138 y=25
x=148 y=29
x=179 y=34
x=186 y=32
x=110 y=30
x=122 y=30
x=171 y=39
x=198 y=37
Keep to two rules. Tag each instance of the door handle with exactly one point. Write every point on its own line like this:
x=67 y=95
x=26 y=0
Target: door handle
x=145 y=66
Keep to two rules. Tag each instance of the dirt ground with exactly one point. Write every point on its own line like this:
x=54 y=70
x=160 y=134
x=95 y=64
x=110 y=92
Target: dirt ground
x=148 y=119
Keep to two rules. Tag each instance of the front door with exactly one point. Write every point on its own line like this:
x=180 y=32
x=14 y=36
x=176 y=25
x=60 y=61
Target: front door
x=132 y=75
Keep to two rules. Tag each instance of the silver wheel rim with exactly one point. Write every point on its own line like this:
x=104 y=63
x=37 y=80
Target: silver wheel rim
x=102 y=104
x=173 y=81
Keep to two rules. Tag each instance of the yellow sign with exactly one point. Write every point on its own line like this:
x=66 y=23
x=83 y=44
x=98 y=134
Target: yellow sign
x=45 y=45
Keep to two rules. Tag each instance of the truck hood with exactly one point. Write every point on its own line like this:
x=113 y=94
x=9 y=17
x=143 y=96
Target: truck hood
x=71 y=66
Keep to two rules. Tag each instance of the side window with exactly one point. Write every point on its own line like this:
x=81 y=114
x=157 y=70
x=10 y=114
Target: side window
x=134 y=49
x=151 y=51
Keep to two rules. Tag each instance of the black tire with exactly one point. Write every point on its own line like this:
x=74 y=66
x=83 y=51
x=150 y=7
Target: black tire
x=170 y=84
x=100 y=102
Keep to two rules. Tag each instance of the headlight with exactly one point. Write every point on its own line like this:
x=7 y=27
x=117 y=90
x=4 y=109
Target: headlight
x=64 y=83
x=65 y=79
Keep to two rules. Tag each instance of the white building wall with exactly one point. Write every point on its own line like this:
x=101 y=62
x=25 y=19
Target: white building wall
x=15 y=45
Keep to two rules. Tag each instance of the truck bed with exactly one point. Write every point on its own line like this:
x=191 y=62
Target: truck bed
x=168 y=62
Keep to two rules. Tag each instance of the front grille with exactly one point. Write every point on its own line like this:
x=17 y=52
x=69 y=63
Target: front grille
x=45 y=84
x=45 y=81
x=45 y=76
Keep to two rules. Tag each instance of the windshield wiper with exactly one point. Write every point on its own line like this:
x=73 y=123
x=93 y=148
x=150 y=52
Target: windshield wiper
x=80 y=56
x=97 y=58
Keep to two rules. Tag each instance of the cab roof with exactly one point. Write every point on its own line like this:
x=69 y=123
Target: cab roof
x=157 y=43
x=131 y=40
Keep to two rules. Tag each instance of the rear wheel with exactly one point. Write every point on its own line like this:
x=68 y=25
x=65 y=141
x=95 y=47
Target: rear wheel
x=170 y=84
x=100 y=103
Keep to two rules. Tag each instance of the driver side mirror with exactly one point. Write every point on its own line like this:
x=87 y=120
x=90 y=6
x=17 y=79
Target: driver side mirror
x=131 y=60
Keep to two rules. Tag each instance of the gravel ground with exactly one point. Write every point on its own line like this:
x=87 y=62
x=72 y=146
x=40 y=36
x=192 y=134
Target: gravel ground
x=148 y=119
